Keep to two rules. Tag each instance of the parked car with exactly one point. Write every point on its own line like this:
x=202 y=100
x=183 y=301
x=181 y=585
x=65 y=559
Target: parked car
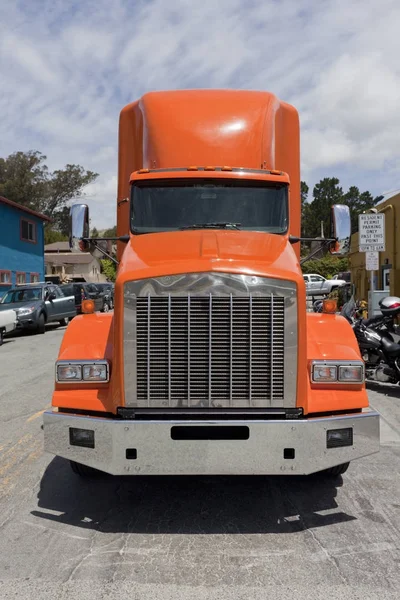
x=107 y=289
x=316 y=285
x=85 y=291
x=37 y=304
x=8 y=322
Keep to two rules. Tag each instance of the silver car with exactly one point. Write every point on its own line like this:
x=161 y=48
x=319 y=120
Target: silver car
x=316 y=285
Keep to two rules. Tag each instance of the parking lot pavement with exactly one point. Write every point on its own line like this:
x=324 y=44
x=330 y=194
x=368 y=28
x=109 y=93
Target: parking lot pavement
x=185 y=537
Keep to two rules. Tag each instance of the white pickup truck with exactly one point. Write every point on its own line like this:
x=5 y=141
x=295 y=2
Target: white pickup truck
x=316 y=285
x=8 y=322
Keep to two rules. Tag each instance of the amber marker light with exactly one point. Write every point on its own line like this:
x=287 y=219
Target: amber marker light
x=329 y=306
x=88 y=307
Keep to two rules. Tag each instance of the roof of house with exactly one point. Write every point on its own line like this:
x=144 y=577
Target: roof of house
x=68 y=259
x=24 y=209
x=57 y=247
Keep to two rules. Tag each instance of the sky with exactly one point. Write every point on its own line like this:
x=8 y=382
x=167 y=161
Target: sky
x=68 y=67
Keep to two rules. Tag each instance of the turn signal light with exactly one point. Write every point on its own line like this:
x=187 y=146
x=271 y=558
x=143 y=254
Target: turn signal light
x=329 y=306
x=88 y=307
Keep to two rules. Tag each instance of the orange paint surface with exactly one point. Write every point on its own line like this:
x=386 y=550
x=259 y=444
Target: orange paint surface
x=330 y=337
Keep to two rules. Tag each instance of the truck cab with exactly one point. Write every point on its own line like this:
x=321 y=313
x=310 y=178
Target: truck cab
x=210 y=363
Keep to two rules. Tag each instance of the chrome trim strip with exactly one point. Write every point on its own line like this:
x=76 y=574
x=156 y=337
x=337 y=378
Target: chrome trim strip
x=169 y=350
x=83 y=363
x=231 y=353
x=250 y=348
x=262 y=453
x=210 y=362
x=272 y=349
x=148 y=351
x=189 y=317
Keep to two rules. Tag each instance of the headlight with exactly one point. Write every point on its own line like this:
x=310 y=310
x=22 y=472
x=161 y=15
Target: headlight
x=324 y=373
x=25 y=311
x=95 y=372
x=82 y=371
x=351 y=374
x=332 y=371
x=69 y=372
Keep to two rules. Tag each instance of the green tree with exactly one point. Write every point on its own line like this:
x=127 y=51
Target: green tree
x=112 y=232
x=304 y=189
x=327 y=266
x=25 y=179
x=325 y=193
x=94 y=233
x=51 y=236
x=357 y=203
x=109 y=269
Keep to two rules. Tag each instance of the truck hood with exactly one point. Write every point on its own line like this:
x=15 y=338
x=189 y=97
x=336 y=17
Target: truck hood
x=245 y=252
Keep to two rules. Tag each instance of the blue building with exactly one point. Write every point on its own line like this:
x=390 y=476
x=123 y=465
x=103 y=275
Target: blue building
x=21 y=245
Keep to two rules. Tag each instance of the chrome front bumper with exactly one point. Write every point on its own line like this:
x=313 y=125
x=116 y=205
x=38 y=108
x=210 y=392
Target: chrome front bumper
x=263 y=453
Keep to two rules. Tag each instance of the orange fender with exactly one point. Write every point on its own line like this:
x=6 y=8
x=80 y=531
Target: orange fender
x=330 y=337
x=87 y=337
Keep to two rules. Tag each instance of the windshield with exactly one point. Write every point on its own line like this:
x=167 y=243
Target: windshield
x=22 y=295
x=170 y=205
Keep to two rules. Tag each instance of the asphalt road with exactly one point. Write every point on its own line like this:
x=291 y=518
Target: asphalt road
x=185 y=538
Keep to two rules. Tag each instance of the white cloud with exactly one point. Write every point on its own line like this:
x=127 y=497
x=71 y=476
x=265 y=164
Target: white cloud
x=67 y=68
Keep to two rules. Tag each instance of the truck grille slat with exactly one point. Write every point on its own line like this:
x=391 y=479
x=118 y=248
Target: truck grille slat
x=210 y=350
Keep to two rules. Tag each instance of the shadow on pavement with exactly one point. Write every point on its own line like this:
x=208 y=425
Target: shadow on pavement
x=387 y=389
x=18 y=333
x=190 y=505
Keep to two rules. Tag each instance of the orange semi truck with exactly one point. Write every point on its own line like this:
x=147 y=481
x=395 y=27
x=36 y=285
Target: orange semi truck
x=210 y=363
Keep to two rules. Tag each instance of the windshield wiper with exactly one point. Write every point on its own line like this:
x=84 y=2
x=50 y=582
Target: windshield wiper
x=212 y=226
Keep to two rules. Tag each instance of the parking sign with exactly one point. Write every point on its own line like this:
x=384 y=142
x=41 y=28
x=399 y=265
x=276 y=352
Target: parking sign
x=371 y=227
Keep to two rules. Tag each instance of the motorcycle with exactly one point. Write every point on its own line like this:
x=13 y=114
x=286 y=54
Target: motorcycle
x=375 y=337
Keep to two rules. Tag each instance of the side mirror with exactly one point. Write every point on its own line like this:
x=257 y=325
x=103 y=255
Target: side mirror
x=340 y=229
x=51 y=297
x=79 y=228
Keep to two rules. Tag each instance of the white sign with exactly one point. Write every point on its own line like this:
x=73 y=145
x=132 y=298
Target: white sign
x=372 y=261
x=371 y=229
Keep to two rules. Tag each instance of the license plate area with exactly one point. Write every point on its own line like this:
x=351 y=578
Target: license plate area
x=210 y=432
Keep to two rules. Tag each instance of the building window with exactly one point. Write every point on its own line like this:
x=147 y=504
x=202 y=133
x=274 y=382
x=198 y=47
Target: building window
x=20 y=278
x=5 y=277
x=28 y=231
x=34 y=277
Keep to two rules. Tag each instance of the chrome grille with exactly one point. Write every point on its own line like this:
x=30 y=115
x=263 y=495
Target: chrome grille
x=220 y=351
